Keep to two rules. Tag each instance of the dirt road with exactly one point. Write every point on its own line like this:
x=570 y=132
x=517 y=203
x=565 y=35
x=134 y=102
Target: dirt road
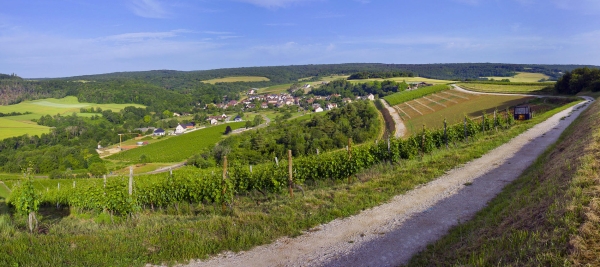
x=400 y=127
x=390 y=234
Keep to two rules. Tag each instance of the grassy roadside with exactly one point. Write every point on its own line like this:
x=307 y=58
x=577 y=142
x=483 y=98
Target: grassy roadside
x=199 y=230
x=547 y=217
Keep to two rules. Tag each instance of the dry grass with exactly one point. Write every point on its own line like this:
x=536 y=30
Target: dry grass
x=524 y=77
x=542 y=88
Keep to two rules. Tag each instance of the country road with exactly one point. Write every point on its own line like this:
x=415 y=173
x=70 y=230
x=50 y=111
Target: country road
x=390 y=234
x=400 y=127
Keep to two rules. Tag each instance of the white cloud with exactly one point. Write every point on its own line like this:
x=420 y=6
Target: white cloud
x=148 y=9
x=141 y=36
x=274 y=3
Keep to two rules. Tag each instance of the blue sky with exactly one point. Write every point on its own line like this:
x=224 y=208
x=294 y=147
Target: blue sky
x=62 y=38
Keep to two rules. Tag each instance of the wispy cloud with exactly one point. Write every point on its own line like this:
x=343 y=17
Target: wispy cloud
x=148 y=9
x=141 y=36
x=217 y=33
x=274 y=3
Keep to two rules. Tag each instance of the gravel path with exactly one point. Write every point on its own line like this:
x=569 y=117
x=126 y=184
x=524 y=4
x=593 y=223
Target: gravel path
x=390 y=234
x=400 y=127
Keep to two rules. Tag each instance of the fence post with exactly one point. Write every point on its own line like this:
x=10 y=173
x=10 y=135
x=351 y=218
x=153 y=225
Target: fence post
x=483 y=123
x=170 y=172
x=423 y=142
x=277 y=161
x=495 y=120
x=317 y=151
x=104 y=177
x=290 y=178
x=349 y=157
x=388 y=143
x=130 y=180
x=445 y=134
x=224 y=182
x=73 y=184
x=250 y=168
x=466 y=136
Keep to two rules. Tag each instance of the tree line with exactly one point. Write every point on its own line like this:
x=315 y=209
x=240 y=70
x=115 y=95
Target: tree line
x=581 y=79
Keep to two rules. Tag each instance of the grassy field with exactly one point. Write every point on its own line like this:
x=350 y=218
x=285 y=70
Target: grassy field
x=451 y=105
x=547 y=217
x=238 y=79
x=19 y=125
x=177 y=234
x=524 y=77
x=408 y=80
x=180 y=148
x=400 y=97
x=498 y=88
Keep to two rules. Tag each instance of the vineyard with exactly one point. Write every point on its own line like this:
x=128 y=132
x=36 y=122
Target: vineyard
x=404 y=96
x=178 y=148
x=451 y=105
x=211 y=186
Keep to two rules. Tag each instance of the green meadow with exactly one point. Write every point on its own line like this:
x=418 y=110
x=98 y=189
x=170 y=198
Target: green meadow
x=20 y=125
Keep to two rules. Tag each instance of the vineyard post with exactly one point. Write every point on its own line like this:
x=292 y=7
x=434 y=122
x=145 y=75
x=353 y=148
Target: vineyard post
x=350 y=157
x=224 y=181
x=73 y=184
x=130 y=180
x=104 y=178
x=58 y=186
x=483 y=123
x=495 y=119
x=250 y=168
x=388 y=143
x=290 y=178
x=445 y=134
x=423 y=142
x=466 y=136
x=277 y=161
x=170 y=172
x=317 y=151
x=57 y=205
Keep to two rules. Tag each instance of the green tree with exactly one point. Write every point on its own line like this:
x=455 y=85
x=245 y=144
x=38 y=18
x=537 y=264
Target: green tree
x=98 y=169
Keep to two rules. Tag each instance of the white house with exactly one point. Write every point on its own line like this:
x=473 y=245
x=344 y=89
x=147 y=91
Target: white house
x=319 y=109
x=213 y=121
x=371 y=97
x=159 y=132
x=179 y=129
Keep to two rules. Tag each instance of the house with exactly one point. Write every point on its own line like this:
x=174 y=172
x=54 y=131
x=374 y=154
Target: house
x=347 y=100
x=179 y=129
x=159 y=132
x=319 y=109
x=237 y=118
x=190 y=125
x=264 y=105
x=371 y=97
x=331 y=106
x=250 y=106
x=175 y=114
x=223 y=116
x=213 y=121
x=252 y=91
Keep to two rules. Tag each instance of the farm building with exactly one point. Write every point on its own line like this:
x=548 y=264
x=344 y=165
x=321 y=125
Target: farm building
x=522 y=113
x=159 y=132
x=237 y=118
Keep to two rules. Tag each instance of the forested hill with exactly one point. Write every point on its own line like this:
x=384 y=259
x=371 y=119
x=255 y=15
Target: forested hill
x=288 y=74
x=181 y=90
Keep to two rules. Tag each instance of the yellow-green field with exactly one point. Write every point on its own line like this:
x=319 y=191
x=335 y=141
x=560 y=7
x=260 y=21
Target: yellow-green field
x=450 y=105
x=408 y=80
x=524 y=77
x=20 y=125
x=238 y=79
x=513 y=89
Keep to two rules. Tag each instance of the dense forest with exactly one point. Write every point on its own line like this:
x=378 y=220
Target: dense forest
x=348 y=89
x=582 y=79
x=357 y=120
x=379 y=75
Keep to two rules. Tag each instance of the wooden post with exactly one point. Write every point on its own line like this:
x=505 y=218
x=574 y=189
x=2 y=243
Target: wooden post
x=130 y=180
x=73 y=184
x=423 y=142
x=104 y=177
x=445 y=134
x=388 y=143
x=349 y=157
x=250 y=168
x=277 y=161
x=495 y=119
x=317 y=151
x=224 y=183
x=290 y=178
x=466 y=136
x=170 y=172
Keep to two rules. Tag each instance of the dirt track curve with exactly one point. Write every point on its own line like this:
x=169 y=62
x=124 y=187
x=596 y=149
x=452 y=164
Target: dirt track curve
x=390 y=234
